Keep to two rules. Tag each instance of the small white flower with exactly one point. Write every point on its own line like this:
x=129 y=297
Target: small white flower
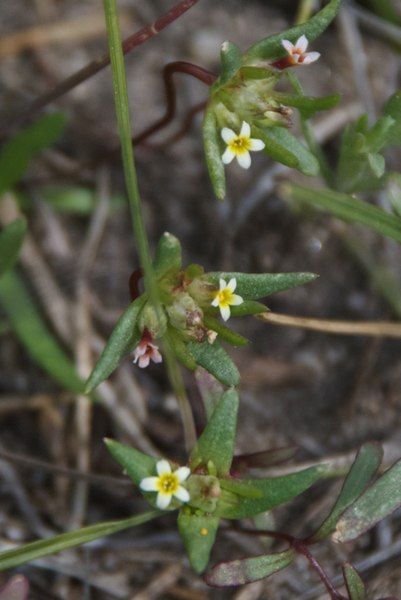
x=240 y=145
x=167 y=484
x=297 y=52
x=225 y=297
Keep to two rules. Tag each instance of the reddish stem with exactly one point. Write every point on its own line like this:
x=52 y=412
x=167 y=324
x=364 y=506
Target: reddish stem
x=138 y=38
x=185 y=126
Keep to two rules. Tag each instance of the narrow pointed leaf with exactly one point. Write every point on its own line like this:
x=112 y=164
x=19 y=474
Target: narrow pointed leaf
x=16 y=154
x=231 y=61
x=271 y=47
x=239 y=572
x=262 y=460
x=180 y=349
x=363 y=469
x=248 y=307
x=215 y=359
x=307 y=105
x=11 y=238
x=355 y=586
x=210 y=390
x=393 y=109
x=349 y=209
x=216 y=444
x=136 y=464
x=122 y=340
x=379 y=501
x=198 y=533
x=211 y=142
x=168 y=255
x=275 y=149
x=307 y=162
x=226 y=334
x=33 y=333
x=275 y=491
x=72 y=539
x=253 y=286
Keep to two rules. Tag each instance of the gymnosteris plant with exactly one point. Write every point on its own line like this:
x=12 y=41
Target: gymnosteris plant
x=181 y=316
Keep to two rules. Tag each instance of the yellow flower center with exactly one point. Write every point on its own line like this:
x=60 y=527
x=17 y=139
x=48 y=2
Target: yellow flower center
x=240 y=144
x=168 y=483
x=225 y=297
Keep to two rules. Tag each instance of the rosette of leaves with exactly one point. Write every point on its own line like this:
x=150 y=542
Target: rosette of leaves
x=215 y=493
x=186 y=316
x=246 y=91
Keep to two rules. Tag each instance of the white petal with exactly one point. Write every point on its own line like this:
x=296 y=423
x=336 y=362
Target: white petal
x=144 y=361
x=236 y=300
x=302 y=43
x=256 y=145
x=163 y=466
x=232 y=284
x=182 y=494
x=149 y=484
x=182 y=473
x=228 y=134
x=223 y=284
x=215 y=302
x=245 y=130
x=156 y=356
x=289 y=47
x=163 y=500
x=311 y=57
x=228 y=156
x=225 y=312
x=244 y=160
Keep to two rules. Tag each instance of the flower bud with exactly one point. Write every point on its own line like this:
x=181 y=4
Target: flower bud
x=153 y=321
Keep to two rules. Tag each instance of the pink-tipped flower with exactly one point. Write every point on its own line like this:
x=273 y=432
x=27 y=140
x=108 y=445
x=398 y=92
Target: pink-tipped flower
x=146 y=351
x=297 y=52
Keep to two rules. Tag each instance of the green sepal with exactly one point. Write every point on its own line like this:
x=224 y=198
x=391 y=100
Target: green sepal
x=216 y=444
x=198 y=532
x=275 y=491
x=231 y=61
x=122 y=340
x=168 y=255
x=271 y=47
x=211 y=142
x=11 y=239
x=353 y=581
x=136 y=464
x=307 y=162
x=215 y=359
x=226 y=334
x=252 y=286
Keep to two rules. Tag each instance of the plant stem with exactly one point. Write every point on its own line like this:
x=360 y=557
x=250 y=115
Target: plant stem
x=125 y=133
x=305 y=10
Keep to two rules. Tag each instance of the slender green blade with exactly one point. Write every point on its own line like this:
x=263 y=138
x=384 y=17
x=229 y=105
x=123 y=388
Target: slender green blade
x=239 y=572
x=215 y=359
x=355 y=586
x=271 y=47
x=252 y=286
x=307 y=162
x=363 y=469
x=11 y=238
x=211 y=142
x=32 y=332
x=136 y=464
x=216 y=444
x=231 y=61
x=168 y=255
x=226 y=334
x=379 y=500
x=121 y=341
x=198 y=532
x=393 y=109
x=34 y=550
x=348 y=209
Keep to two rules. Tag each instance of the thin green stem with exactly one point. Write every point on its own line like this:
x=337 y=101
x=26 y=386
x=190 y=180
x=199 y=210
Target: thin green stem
x=305 y=10
x=125 y=133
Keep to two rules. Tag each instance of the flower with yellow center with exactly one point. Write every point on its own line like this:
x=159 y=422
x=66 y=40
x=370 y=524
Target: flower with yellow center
x=167 y=484
x=225 y=297
x=239 y=146
x=297 y=52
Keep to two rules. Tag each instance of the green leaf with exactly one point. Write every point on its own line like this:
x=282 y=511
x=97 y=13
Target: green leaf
x=211 y=142
x=263 y=459
x=275 y=491
x=72 y=539
x=210 y=390
x=307 y=162
x=32 y=332
x=216 y=444
x=274 y=148
x=168 y=255
x=198 y=533
x=271 y=47
x=379 y=500
x=355 y=586
x=180 y=349
x=215 y=359
x=307 y=105
x=248 y=307
x=363 y=469
x=226 y=334
x=378 y=164
x=11 y=238
x=252 y=286
x=239 y=572
x=122 y=340
x=16 y=154
x=393 y=109
x=231 y=61
x=136 y=464
x=348 y=209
